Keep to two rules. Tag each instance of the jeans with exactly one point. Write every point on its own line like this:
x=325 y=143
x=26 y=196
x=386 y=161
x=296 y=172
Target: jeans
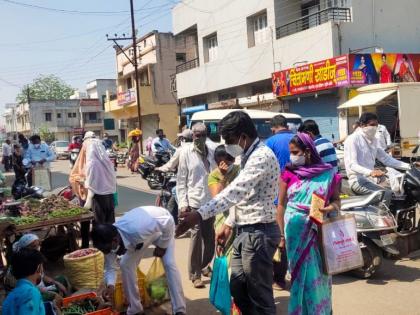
x=364 y=186
x=251 y=281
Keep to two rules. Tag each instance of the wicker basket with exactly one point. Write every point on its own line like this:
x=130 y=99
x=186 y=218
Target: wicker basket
x=85 y=272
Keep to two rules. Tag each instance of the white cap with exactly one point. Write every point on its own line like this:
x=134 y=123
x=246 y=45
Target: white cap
x=89 y=134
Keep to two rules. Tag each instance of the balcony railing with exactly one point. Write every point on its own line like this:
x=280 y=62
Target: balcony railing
x=194 y=63
x=93 y=121
x=314 y=19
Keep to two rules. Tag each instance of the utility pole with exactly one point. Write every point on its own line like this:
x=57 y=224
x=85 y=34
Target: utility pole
x=134 y=63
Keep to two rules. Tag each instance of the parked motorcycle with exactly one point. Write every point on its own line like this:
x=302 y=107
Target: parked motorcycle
x=166 y=197
x=74 y=153
x=147 y=165
x=122 y=157
x=21 y=189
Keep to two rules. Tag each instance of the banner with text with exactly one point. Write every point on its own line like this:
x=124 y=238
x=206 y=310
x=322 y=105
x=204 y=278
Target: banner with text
x=347 y=70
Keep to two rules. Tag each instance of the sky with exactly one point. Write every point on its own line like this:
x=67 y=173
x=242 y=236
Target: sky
x=71 y=43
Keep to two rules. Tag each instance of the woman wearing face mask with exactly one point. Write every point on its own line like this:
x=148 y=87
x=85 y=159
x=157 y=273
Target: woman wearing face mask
x=50 y=288
x=219 y=178
x=304 y=176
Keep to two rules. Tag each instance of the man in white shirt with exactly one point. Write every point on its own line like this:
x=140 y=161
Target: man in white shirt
x=160 y=143
x=252 y=193
x=361 y=149
x=196 y=161
x=7 y=155
x=383 y=137
x=130 y=237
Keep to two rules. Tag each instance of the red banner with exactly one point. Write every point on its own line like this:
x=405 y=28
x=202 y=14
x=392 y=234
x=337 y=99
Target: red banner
x=347 y=70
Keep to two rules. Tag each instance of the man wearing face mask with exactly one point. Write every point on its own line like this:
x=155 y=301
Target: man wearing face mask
x=252 y=193
x=160 y=143
x=361 y=149
x=130 y=237
x=195 y=163
x=38 y=154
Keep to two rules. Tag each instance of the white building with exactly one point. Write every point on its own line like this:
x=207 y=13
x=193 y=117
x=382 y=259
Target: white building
x=233 y=47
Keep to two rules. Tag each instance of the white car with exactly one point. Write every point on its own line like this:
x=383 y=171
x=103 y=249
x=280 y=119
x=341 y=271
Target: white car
x=60 y=149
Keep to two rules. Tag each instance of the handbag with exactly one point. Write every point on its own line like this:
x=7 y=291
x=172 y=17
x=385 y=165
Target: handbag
x=339 y=245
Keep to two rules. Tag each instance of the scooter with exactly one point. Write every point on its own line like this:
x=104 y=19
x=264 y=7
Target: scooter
x=376 y=230
x=74 y=153
x=20 y=189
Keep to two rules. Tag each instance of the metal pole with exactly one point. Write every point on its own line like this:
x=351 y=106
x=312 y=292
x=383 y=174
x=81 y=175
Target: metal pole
x=136 y=73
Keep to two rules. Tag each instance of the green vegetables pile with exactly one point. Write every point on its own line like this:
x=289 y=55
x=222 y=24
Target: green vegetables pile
x=52 y=207
x=80 y=307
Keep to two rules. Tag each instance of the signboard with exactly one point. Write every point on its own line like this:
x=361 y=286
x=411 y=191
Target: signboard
x=126 y=97
x=89 y=102
x=347 y=70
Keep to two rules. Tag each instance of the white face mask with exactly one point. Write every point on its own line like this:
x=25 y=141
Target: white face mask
x=234 y=150
x=297 y=160
x=115 y=251
x=370 y=131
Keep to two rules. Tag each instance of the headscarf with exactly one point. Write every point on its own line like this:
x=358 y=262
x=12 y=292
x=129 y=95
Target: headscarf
x=317 y=167
x=100 y=174
x=24 y=241
x=78 y=174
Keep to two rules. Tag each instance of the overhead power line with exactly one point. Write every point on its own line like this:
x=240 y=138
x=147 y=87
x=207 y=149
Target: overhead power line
x=65 y=11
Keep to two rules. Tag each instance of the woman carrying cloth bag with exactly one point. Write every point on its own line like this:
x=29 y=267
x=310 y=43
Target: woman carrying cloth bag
x=306 y=175
x=93 y=180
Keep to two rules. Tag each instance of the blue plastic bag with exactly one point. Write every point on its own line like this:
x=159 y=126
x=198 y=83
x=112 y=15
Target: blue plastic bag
x=219 y=286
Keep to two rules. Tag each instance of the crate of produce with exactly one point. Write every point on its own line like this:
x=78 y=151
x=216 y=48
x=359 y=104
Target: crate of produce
x=120 y=301
x=85 y=268
x=84 y=304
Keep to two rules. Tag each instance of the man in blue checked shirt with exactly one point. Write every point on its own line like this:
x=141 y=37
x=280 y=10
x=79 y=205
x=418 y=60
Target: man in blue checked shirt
x=324 y=147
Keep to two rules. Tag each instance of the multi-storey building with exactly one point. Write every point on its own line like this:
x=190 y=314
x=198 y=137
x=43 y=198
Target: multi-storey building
x=233 y=47
x=157 y=60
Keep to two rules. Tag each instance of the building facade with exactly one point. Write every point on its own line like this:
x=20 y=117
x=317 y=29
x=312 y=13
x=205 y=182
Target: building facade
x=233 y=48
x=157 y=60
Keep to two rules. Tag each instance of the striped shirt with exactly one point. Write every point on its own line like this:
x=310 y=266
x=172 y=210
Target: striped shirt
x=326 y=150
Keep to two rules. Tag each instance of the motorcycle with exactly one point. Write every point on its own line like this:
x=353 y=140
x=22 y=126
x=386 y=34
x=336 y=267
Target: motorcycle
x=166 y=197
x=147 y=165
x=122 y=157
x=113 y=157
x=74 y=153
x=376 y=230
x=20 y=189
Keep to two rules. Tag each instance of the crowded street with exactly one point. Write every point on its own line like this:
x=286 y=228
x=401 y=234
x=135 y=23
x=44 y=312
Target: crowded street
x=390 y=291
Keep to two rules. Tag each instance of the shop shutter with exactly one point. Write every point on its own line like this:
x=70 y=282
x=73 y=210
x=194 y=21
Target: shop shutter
x=323 y=110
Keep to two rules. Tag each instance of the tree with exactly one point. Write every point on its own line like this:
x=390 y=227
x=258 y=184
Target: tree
x=46 y=135
x=45 y=87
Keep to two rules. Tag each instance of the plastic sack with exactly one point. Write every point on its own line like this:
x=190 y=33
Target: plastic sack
x=235 y=310
x=219 y=286
x=339 y=245
x=156 y=284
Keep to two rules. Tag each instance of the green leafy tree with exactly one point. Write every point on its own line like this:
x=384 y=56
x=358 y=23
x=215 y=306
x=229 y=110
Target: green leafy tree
x=46 y=135
x=45 y=87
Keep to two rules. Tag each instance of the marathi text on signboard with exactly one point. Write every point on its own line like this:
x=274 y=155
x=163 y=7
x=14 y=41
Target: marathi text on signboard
x=126 y=97
x=347 y=70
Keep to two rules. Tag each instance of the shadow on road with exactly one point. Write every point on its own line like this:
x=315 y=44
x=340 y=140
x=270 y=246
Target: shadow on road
x=390 y=271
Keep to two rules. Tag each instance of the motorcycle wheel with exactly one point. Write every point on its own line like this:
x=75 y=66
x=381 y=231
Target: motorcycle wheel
x=372 y=259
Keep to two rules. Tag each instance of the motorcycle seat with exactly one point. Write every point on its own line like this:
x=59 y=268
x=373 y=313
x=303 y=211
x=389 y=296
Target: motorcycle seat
x=361 y=201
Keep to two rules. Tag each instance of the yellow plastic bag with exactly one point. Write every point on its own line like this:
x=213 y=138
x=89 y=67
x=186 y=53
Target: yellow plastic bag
x=120 y=302
x=156 y=284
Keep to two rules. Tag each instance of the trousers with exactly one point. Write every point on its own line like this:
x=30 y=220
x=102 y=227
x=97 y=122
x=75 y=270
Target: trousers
x=129 y=262
x=251 y=281
x=364 y=186
x=202 y=247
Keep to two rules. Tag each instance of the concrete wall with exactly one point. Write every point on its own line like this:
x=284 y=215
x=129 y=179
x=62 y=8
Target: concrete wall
x=99 y=88
x=393 y=25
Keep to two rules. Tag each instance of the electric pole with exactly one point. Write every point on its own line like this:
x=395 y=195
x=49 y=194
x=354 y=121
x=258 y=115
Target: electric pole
x=134 y=63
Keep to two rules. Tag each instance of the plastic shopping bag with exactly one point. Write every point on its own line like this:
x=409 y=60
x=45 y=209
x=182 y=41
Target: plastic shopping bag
x=156 y=284
x=339 y=245
x=219 y=286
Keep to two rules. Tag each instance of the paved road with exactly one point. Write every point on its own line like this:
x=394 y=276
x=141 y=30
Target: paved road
x=393 y=290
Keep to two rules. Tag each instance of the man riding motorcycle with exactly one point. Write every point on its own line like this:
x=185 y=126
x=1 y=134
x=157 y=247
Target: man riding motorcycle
x=361 y=150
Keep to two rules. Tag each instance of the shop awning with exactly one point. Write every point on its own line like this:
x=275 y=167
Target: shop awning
x=366 y=99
